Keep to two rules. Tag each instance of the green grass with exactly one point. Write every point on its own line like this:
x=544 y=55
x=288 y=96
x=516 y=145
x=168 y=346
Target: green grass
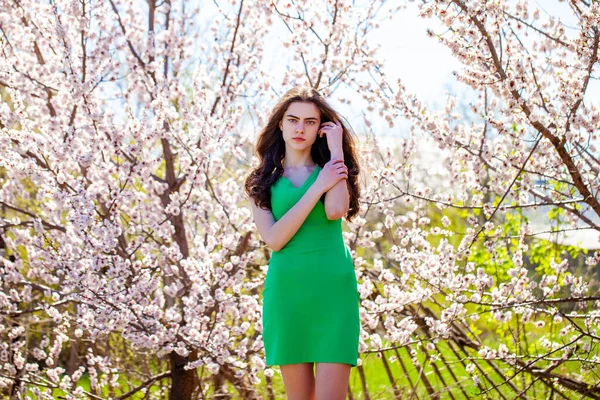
x=453 y=380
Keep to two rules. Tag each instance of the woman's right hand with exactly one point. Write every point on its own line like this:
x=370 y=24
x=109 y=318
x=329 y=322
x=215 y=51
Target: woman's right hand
x=332 y=172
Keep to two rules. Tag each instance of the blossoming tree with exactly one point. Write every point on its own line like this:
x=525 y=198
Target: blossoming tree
x=130 y=263
x=463 y=284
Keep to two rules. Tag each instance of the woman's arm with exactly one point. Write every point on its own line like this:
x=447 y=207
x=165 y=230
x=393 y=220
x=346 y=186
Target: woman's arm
x=337 y=199
x=276 y=234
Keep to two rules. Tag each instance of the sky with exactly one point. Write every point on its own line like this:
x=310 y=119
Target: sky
x=424 y=65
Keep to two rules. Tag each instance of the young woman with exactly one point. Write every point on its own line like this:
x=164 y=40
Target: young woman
x=306 y=182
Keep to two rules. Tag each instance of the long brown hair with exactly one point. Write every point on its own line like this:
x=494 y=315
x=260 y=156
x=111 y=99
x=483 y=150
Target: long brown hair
x=270 y=150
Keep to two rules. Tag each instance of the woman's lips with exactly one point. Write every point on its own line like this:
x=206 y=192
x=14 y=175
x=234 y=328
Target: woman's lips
x=298 y=139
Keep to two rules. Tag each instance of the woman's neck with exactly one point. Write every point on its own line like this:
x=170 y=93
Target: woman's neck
x=298 y=164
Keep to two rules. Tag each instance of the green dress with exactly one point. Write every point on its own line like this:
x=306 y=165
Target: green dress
x=310 y=296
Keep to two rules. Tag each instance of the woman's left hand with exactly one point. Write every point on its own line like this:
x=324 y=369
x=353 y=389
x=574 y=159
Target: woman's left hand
x=334 y=133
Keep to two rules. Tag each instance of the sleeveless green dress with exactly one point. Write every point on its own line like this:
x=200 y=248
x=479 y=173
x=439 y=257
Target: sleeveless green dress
x=310 y=295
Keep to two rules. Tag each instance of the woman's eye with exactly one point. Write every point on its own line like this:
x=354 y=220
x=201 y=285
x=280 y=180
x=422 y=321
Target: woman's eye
x=291 y=120
x=310 y=122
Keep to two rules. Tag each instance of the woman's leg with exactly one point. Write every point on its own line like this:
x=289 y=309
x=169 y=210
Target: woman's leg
x=299 y=381
x=332 y=381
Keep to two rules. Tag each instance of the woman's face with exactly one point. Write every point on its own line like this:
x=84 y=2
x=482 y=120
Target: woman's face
x=300 y=120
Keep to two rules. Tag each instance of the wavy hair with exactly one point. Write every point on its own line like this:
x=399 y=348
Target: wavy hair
x=270 y=150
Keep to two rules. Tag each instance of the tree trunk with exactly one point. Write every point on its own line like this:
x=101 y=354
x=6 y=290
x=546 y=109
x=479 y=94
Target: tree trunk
x=183 y=382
